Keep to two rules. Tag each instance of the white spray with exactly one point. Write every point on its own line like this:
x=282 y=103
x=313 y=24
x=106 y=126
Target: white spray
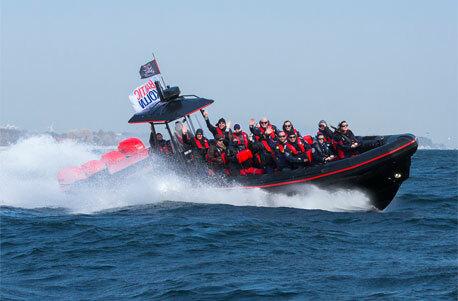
x=28 y=180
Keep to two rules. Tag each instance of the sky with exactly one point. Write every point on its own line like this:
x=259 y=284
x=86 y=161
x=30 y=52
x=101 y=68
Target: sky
x=386 y=67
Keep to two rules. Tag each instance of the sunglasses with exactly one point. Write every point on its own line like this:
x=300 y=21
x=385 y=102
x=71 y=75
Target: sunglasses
x=292 y=137
x=263 y=122
x=320 y=138
x=282 y=136
x=288 y=125
x=344 y=125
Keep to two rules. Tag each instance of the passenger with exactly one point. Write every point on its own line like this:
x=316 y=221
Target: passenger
x=198 y=143
x=323 y=152
x=264 y=152
x=325 y=130
x=178 y=134
x=345 y=142
x=160 y=145
x=288 y=128
x=221 y=128
x=218 y=156
x=260 y=132
x=280 y=147
x=239 y=139
x=297 y=153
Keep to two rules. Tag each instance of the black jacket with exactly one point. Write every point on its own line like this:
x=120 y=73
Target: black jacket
x=266 y=157
x=321 y=152
x=214 y=130
x=342 y=143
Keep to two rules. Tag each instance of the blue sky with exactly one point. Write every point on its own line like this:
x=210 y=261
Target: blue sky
x=384 y=66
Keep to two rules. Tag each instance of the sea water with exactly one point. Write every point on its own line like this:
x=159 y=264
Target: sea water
x=163 y=236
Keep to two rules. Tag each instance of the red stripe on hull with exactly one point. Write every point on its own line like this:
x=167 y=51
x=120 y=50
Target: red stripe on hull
x=331 y=172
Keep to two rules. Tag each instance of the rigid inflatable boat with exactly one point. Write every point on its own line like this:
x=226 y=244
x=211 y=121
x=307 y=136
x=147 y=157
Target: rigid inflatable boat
x=378 y=170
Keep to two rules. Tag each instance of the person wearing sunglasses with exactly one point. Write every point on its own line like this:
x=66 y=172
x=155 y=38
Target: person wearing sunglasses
x=219 y=129
x=264 y=130
x=322 y=152
x=345 y=142
x=280 y=146
x=297 y=153
x=325 y=131
x=218 y=156
x=289 y=128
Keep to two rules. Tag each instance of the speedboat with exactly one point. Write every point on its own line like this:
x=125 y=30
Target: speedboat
x=378 y=170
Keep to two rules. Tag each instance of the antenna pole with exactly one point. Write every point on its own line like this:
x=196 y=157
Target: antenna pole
x=163 y=82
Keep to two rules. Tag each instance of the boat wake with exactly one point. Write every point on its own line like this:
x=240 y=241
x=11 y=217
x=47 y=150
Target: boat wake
x=28 y=180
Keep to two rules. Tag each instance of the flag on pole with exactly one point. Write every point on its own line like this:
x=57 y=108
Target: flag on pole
x=149 y=69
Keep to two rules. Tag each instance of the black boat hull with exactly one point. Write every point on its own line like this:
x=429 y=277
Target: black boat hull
x=378 y=172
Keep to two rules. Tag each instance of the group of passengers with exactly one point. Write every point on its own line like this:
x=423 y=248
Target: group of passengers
x=266 y=150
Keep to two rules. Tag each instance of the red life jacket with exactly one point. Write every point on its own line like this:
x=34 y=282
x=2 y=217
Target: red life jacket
x=267 y=146
x=281 y=147
x=224 y=157
x=295 y=152
x=199 y=143
x=220 y=131
x=239 y=141
x=262 y=130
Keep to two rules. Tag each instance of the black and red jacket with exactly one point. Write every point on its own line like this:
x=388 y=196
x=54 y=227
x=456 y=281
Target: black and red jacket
x=342 y=144
x=200 y=146
x=292 y=131
x=240 y=141
x=264 y=153
x=218 y=155
x=280 y=157
x=259 y=132
x=216 y=131
x=327 y=133
x=298 y=151
x=162 y=146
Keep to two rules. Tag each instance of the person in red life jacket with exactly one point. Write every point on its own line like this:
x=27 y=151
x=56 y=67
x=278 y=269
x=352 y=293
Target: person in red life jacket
x=239 y=139
x=280 y=146
x=345 y=142
x=297 y=153
x=288 y=128
x=325 y=130
x=259 y=133
x=220 y=129
x=241 y=150
x=218 y=156
x=199 y=143
x=264 y=152
x=160 y=145
x=322 y=151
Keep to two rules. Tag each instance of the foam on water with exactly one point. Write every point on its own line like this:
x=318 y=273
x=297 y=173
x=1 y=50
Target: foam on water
x=28 y=180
